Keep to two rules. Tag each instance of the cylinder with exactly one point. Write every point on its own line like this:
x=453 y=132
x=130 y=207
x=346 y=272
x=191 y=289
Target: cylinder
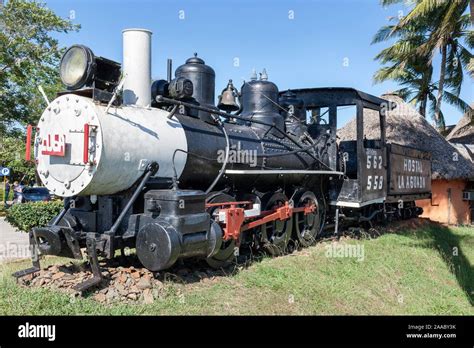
x=137 y=67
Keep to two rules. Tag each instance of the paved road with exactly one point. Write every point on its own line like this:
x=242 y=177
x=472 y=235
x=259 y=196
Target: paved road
x=13 y=244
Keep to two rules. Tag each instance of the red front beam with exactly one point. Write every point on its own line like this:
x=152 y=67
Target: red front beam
x=85 y=154
x=29 y=132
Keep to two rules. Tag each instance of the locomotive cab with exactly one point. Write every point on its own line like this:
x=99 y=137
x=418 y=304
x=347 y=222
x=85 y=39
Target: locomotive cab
x=380 y=179
x=362 y=160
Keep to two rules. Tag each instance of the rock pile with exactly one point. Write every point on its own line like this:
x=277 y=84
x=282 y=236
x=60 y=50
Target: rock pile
x=120 y=284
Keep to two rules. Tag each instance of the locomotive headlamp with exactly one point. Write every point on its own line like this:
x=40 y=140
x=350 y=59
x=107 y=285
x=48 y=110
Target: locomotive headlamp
x=77 y=66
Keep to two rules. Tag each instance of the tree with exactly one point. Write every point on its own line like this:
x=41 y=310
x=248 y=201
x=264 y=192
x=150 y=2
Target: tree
x=29 y=57
x=412 y=71
x=444 y=28
x=451 y=27
x=12 y=155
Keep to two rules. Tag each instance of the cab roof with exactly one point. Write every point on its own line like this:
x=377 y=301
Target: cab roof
x=324 y=96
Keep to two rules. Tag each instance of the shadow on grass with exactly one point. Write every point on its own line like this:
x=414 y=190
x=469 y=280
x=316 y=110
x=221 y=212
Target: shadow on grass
x=448 y=244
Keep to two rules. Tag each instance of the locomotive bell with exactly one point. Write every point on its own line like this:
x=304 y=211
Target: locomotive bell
x=227 y=100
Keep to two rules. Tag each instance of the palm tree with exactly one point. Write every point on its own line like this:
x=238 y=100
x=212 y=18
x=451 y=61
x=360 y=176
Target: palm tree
x=415 y=86
x=410 y=70
x=413 y=71
x=443 y=26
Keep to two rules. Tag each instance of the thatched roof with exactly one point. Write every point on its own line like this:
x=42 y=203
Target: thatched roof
x=405 y=126
x=467 y=150
x=463 y=133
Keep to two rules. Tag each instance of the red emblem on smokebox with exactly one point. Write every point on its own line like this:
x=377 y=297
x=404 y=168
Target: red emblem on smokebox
x=55 y=147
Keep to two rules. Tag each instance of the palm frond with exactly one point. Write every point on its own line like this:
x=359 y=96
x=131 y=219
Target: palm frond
x=432 y=107
x=464 y=55
x=390 y=2
x=470 y=67
x=383 y=34
x=469 y=38
x=455 y=101
x=454 y=70
x=404 y=93
x=402 y=51
x=423 y=9
x=388 y=73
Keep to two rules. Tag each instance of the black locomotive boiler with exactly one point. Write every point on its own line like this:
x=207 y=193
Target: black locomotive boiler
x=160 y=168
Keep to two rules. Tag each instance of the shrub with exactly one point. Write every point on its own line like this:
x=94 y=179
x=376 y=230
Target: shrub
x=25 y=216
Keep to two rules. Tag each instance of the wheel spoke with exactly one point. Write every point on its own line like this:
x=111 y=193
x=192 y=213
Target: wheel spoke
x=275 y=235
x=307 y=226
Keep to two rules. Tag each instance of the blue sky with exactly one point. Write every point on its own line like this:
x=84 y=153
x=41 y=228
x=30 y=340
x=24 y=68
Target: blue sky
x=326 y=43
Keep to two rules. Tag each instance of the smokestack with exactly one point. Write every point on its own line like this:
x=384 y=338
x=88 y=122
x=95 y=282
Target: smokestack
x=137 y=67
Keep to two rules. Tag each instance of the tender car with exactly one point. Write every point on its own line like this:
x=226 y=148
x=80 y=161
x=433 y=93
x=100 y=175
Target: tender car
x=34 y=194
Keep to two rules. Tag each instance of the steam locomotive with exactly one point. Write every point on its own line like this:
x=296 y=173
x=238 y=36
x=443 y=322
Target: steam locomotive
x=158 y=167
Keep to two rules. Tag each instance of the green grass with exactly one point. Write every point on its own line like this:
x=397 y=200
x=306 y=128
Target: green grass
x=411 y=272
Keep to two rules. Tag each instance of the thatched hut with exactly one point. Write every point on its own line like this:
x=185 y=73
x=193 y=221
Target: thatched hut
x=451 y=171
x=463 y=132
x=462 y=137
